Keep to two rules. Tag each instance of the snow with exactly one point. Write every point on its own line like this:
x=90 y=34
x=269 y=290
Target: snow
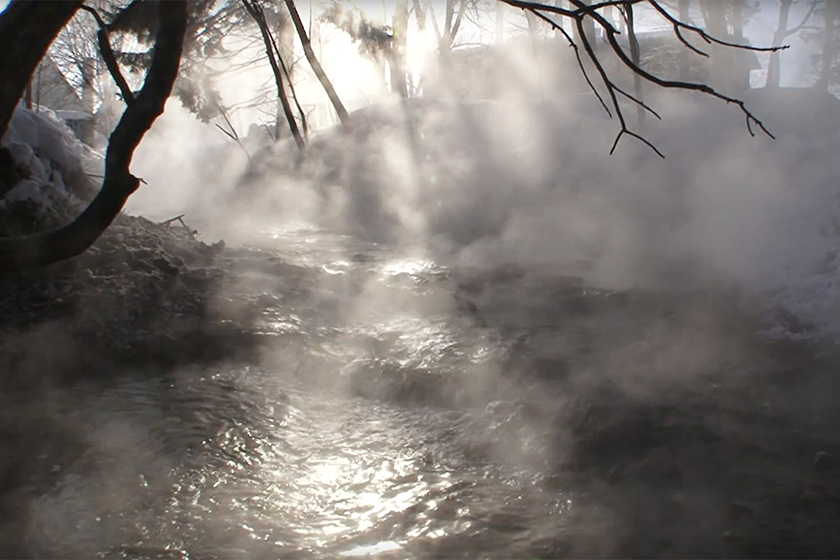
x=49 y=135
x=51 y=157
x=74 y=115
x=537 y=186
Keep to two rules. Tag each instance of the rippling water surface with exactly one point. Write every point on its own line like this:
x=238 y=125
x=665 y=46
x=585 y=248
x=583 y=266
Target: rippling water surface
x=354 y=440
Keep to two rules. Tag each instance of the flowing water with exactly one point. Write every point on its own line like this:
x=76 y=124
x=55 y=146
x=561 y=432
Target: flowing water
x=395 y=417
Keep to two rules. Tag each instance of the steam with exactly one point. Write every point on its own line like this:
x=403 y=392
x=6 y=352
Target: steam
x=527 y=181
x=481 y=218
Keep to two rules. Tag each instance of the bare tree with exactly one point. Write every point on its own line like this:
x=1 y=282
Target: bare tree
x=281 y=75
x=343 y=116
x=26 y=31
x=831 y=45
x=587 y=27
x=714 y=14
x=76 y=52
x=397 y=61
x=635 y=56
x=451 y=24
x=685 y=54
x=782 y=33
x=145 y=107
x=500 y=23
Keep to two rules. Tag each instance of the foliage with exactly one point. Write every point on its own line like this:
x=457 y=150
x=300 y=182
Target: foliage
x=374 y=39
x=209 y=23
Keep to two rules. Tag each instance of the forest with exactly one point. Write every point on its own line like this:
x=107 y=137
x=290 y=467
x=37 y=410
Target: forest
x=419 y=278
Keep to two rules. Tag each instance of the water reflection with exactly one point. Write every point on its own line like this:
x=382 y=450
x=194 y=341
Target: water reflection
x=246 y=463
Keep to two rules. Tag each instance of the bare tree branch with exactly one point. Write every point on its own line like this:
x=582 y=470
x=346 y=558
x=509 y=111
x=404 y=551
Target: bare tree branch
x=580 y=11
x=108 y=55
x=804 y=23
x=679 y=25
x=257 y=13
x=462 y=7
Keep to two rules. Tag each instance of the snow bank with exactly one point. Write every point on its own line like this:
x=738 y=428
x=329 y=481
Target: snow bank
x=51 y=170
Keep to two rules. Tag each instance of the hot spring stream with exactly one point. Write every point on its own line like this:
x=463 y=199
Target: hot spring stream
x=396 y=418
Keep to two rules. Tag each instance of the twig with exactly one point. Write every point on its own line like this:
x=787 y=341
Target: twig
x=226 y=133
x=232 y=134
x=180 y=218
x=170 y=220
x=269 y=132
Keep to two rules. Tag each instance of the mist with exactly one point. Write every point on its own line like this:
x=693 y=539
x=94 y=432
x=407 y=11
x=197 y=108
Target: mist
x=530 y=183
x=457 y=327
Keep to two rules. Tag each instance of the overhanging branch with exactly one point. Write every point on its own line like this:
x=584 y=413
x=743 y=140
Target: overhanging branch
x=108 y=55
x=580 y=11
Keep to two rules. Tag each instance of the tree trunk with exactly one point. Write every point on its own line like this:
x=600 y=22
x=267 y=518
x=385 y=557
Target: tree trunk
x=88 y=71
x=500 y=22
x=636 y=57
x=343 y=116
x=421 y=14
x=27 y=28
x=18 y=253
x=685 y=54
x=396 y=62
x=738 y=22
x=740 y=78
x=830 y=45
x=257 y=13
x=446 y=40
x=715 y=14
x=27 y=95
x=621 y=23
x=774 y=67
x=284 y=48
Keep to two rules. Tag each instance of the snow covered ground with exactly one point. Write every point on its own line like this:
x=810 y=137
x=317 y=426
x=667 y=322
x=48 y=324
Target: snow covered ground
x=55 y=170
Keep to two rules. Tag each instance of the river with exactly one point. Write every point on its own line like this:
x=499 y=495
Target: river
x=406 y=410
